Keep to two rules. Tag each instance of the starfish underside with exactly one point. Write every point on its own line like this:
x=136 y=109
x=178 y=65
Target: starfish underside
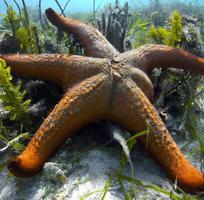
x=105 y=85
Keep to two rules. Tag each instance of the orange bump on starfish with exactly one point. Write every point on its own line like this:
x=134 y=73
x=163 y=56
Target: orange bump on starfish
x=105 y=85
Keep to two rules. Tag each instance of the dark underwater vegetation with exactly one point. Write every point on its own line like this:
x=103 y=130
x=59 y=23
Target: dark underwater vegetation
x=25 y=103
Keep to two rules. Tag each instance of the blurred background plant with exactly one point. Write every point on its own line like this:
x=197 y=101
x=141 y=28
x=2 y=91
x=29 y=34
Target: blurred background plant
x=171 y=35
x=113 y=23
x=19 y=25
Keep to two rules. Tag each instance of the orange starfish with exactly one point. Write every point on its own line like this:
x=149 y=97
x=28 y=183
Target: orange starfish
x=110 y=86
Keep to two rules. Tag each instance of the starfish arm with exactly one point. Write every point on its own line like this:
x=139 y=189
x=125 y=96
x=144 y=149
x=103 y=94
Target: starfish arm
x=150 y=56
x=43 y=66
x=142 y=81
x=77 y=108
x=94 y=42
x=63 y=69
x=133 y=110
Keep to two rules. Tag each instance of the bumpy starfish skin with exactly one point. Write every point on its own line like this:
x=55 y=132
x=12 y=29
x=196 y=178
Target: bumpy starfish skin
x=110 y=86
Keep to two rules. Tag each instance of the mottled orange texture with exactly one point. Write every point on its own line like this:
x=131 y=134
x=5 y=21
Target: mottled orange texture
x=107 y=85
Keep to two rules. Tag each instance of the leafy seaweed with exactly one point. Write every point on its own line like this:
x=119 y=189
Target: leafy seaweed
x=170 y=36
x=139 y=31
x=16 y=109
x=11 y=96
